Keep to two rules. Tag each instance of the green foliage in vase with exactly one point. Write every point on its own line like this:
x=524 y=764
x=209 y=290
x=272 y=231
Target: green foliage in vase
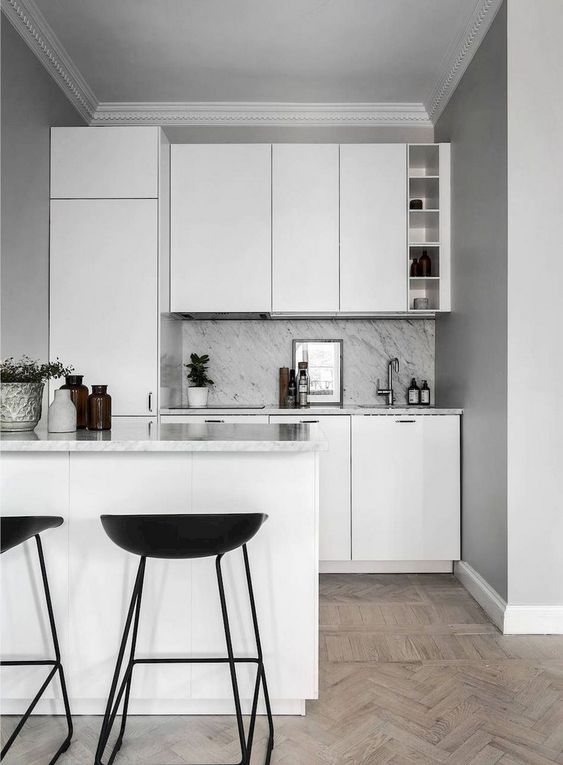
x=198 y=371
x=27 y=370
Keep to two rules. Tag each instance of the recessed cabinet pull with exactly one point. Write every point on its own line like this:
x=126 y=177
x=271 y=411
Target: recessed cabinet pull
x=214 y=420
x=150 y=402
x=405 y=421
x=307 y=422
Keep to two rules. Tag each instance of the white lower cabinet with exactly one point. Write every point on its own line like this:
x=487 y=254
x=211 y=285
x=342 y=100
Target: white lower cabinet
x=229 y=419
x=405 y=488
x=334 y=491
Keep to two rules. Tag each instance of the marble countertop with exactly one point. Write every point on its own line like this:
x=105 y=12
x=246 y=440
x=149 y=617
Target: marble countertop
x=128 y=435
x=310 y=412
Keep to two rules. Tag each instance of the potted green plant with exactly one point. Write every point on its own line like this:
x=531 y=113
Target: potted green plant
x=21 y=391
x=199 y=381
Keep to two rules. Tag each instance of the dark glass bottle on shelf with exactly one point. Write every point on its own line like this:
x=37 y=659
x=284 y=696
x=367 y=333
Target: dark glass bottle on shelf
x=425 y=264
x=414 y=267
x=79 y=397
x=425 y=394
x=291 y=390
x=99 y=408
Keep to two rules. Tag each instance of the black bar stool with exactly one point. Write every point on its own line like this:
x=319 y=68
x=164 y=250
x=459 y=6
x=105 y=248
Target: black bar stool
x=184 y=536
x=14 y=531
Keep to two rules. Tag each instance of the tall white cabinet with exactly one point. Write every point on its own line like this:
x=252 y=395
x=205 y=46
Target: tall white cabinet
x=220 y=258
x=373 y=228
x=305 y=226
x=105 y=237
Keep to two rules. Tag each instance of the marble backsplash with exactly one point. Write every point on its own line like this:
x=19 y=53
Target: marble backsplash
x=245 y=356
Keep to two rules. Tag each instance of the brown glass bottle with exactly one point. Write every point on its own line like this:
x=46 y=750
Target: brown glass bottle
x=425 y=264
x=99 y=408
x=79 y=397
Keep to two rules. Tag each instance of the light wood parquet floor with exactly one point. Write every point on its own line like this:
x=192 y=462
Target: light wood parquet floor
x=412 y=672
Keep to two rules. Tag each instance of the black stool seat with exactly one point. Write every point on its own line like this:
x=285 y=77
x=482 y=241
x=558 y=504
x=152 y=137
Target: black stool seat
x=17 y=529
x=182 y=536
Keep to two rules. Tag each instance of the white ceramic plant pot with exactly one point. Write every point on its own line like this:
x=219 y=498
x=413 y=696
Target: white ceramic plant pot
x=62 y=413
x=197 y=398
x=20 y=405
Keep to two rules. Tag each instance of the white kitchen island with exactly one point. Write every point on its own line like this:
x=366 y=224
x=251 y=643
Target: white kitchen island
x=143 y=467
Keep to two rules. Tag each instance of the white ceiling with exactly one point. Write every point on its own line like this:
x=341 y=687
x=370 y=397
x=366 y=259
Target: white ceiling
x=258 y=50
x=388 y=52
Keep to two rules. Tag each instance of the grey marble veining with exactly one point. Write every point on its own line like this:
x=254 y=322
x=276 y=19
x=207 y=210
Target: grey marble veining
x=130 y=436
x=245 y=356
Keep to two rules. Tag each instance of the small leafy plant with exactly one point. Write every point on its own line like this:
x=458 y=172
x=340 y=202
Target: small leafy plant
x=198 y=371
x=27 y=370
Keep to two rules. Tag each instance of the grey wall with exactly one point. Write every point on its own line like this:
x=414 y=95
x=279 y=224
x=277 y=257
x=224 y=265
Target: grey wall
x=31 y=104
x=245 y=356
x=471 y=342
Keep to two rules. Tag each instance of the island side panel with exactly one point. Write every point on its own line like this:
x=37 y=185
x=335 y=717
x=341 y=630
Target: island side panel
x=284 y=564
x=33 y=484
x=102 y=577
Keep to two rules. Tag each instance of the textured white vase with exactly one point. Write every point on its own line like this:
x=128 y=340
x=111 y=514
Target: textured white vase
x=62 y=413
x=197 y=397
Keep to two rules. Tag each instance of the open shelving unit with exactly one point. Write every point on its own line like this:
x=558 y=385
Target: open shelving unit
x=428 y=228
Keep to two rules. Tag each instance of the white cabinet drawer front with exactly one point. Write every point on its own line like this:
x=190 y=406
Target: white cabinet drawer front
x=103 y=306
x=334 y=483
x=305 y=199
x=221 y=227
x=405 y=488
x=104 y=162
x=373 y=227
x=187 y=419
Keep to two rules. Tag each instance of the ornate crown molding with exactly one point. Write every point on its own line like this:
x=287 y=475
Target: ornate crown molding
x=36 y=32
x=459 y=56
x=266 y=114
x=30 y=23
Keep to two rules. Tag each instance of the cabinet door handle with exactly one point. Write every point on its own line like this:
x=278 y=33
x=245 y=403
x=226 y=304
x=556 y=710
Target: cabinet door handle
x=307 y=422
x=405 y=422
x=214 y=420
x=150 y=402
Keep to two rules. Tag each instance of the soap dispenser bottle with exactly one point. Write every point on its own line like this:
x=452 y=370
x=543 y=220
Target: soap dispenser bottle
x=425 y=394
x=413 y=393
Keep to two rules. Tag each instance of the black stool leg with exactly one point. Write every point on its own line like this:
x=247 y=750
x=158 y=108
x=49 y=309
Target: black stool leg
x=261 y=671
x=66 y=743
x=56 y=667
x=232 y=668
x=115 y=696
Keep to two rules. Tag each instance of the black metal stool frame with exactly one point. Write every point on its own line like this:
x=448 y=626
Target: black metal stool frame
x=115 y=695
x=55 y=665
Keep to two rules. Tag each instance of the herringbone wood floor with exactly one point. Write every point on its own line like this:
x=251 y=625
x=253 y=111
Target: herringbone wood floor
x=412 y=672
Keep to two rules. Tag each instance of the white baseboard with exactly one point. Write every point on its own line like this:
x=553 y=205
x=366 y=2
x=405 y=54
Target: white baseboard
x=533 y=620
x=511 y=620
x=489 y=600
x=385 y=567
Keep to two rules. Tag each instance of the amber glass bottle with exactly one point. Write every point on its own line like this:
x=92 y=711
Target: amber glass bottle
x=99 y=408
x=79 y=397
x=425 y=264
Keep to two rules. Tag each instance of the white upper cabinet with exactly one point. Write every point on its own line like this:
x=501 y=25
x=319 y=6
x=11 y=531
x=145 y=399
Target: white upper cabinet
x=220 y=228
x=105 y=162
x=373 y=227
x=103 y=304
x=305 y=227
